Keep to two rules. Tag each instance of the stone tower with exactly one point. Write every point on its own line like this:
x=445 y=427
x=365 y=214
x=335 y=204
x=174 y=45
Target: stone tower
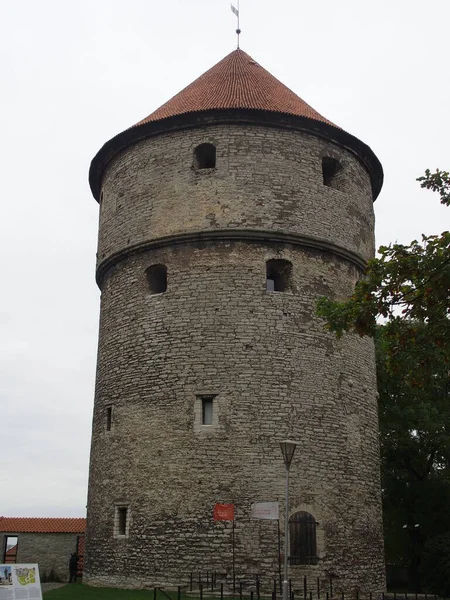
x=224 y=216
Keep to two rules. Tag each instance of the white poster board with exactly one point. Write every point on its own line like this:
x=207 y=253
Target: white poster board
x=265 y=510
x=20 y=582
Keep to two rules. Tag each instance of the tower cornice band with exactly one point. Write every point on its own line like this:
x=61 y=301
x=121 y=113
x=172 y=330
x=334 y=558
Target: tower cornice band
x=232 y=235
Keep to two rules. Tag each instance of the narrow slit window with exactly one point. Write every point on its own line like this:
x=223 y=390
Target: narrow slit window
x=121 y=521
x=207 y=411
x=332 y=172
x=108 y=418
x=278 y=275
x=157 y=279
x=205 y=156
x=122 y=528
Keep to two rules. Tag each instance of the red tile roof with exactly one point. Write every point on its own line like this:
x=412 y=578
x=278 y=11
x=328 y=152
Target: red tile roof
x=41 y=525
x=237 y=81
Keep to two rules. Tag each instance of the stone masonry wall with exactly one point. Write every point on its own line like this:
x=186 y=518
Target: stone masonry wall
x=273 y=370
x=50 y=550
x=264 y=179
x=276 y=374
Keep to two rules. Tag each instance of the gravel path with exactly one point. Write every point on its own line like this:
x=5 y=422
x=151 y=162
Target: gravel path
x=46 y=587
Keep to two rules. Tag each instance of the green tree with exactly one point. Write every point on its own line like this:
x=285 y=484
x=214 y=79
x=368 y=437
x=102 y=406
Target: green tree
x=407 y=289
x=437 y=564
x=415 y=454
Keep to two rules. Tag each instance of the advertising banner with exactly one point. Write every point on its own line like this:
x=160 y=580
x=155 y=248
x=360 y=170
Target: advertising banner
x=20 y=582
x=265 y=510
x=223 y=512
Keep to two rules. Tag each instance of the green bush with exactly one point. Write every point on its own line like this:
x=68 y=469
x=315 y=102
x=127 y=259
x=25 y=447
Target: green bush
x=436 y=564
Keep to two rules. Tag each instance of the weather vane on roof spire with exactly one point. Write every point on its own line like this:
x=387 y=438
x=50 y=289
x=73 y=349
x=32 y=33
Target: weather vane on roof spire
x=236 y=12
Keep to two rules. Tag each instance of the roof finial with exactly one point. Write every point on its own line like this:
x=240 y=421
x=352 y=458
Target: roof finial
x=236 y=12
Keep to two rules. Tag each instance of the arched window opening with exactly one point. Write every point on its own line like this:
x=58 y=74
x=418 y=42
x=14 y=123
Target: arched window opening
x=278 y=275
x=302 y=535
x=332 y=172
x=157 y=279
x=205 y=156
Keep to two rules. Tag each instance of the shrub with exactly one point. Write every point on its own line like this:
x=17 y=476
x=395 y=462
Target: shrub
x=436 y=564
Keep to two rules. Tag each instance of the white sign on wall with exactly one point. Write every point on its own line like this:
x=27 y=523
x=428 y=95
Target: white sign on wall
x=265 y=510
x=20 y=582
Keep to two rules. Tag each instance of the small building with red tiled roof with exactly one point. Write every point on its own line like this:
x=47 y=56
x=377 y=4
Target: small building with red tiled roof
x=43 y=540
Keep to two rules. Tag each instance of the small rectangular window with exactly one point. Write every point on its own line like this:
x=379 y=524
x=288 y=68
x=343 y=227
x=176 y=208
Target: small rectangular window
x=278 y=275
x=121 y=521
x=332 y=173
x=157 y=279
x=207 y=411
x=108 y=418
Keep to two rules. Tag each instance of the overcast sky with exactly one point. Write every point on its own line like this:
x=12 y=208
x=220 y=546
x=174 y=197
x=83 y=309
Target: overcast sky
x=74 y=74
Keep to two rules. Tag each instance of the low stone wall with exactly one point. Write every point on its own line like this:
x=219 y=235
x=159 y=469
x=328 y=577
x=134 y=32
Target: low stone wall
x=51 y=551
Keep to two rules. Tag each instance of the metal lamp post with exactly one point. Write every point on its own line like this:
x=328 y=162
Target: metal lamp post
x=288 y=449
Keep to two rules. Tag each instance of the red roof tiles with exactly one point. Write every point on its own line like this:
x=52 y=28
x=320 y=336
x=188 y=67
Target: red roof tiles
x=41 y=525
x=236 y=82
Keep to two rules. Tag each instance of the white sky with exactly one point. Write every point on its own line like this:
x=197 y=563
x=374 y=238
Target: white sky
x=76 y=73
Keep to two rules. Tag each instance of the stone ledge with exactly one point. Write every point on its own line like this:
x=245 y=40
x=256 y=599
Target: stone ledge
x=240 y=235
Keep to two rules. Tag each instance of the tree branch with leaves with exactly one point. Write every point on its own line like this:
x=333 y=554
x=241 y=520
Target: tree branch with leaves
x=403 y=301
x=408 y=288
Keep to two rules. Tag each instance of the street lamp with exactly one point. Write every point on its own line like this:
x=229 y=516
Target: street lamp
x=287 y=448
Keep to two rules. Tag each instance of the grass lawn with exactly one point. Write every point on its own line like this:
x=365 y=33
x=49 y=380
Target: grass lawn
x=79 y=591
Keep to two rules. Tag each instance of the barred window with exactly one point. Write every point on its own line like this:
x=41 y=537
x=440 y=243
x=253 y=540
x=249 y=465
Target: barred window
x=302 y=533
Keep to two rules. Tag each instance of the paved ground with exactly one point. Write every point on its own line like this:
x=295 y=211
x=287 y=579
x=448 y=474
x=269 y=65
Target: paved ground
x=46 y=587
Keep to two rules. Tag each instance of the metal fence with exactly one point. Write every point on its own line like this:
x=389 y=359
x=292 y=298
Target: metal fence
x=254 y=587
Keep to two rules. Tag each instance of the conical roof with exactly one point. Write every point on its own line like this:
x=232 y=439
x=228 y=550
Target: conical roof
x=236 y=82
x=236 y=90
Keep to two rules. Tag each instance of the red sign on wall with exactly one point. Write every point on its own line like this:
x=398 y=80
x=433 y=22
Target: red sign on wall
x=223 y=512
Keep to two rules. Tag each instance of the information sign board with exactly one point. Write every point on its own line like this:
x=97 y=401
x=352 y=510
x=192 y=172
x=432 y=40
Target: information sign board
x=20 y=582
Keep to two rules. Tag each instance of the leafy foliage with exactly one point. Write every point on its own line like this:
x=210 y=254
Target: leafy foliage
x=437 y=182
x=415 y=454
x=407 y=289
x=436 y=564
